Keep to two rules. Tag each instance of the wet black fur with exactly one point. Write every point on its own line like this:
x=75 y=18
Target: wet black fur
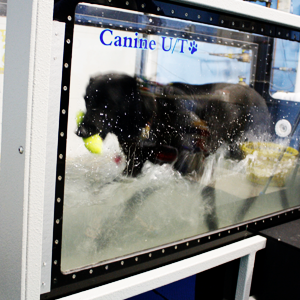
x=119 y=104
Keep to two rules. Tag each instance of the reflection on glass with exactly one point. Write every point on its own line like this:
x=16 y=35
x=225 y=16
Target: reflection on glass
x=167 y=139
x=284 y=69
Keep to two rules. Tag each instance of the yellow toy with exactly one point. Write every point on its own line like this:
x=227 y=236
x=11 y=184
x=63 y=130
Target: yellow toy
x=92 y=143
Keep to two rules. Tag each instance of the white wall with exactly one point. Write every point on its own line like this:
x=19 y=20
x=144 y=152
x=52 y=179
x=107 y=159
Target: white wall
x=2 y=56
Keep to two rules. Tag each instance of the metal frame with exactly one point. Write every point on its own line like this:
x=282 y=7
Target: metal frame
x=138 y=284
x=53 y=119
x=23 y=147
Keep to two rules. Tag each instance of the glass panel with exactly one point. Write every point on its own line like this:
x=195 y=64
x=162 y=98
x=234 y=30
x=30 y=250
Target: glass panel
x=166 y=137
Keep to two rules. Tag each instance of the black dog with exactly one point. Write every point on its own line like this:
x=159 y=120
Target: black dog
x=176 y=123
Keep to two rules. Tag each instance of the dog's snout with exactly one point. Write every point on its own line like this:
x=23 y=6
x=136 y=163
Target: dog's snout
x=86 y=129
x=82 y=131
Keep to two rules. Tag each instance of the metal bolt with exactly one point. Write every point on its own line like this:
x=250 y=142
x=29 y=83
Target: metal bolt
x=69 y=18
x=21 y=150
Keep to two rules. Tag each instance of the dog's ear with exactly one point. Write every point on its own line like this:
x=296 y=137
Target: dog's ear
x=120 y=90
x=92 y=80
x=89 y=85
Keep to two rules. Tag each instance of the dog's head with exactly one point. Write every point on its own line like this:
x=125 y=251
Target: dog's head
x=113 y=104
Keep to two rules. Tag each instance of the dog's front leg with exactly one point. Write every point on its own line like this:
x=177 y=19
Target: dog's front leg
x=210 y=211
